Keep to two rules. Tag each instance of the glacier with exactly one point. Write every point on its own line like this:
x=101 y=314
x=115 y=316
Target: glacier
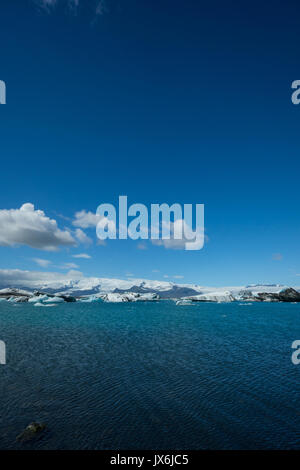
x=52 y=288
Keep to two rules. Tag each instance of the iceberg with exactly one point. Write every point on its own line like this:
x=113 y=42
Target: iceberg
x=219 y=297
x=38 y=298
x=129 y=297
x=39 y=304
x=57 y=300
x=184 y=302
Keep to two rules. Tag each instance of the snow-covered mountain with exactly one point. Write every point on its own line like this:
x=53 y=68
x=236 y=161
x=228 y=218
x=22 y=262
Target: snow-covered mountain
x=74 y=283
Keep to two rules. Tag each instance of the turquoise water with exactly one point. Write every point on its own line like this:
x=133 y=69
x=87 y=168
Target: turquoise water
x=151 y=376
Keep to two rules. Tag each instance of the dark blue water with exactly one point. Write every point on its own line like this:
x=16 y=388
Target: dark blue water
x=151 y=376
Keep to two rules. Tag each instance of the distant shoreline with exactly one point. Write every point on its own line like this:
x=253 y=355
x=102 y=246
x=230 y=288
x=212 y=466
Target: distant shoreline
x=42 y=297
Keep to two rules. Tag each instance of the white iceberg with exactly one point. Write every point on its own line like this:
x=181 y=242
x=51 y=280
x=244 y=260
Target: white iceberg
x=39 y=304
x=129 y=297
x=219 y=297
x=38 y=298
x=56 y=300
x=184 y=302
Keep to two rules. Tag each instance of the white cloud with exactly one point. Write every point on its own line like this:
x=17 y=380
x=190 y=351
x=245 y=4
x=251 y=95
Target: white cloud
x=30 y=227
x=69 y=266
x=84 y=219
x=42 y=262
x=17 y=277
x=61 y=216
x=82 y=255
x=82 y=237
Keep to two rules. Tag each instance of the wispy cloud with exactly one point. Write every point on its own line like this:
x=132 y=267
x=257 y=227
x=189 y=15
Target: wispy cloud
x=85 y=219
x=42 y=262
x=82 y=255
x=69 y=266
x=17 y=277
x=61 y=216
x=178 y=277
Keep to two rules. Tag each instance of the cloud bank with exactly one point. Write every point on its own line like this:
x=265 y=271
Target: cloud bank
x=34 y=279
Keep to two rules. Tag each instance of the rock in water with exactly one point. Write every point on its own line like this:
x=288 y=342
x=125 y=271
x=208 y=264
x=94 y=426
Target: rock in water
x=289 y=295
x=285 y=295
x=32 y=430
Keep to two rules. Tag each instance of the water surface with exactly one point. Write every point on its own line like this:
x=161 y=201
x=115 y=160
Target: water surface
x=151 y=376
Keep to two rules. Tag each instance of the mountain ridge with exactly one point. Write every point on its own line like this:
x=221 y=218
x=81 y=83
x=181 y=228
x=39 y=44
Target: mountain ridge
x=76 y=284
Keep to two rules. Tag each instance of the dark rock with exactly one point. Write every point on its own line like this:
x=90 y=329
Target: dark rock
x=32 y=430
x=67 y=298
x=289 y=295
x=286 y=295
x=248 y=296
x=20 y=299
x=267 y=297
x=13 y=293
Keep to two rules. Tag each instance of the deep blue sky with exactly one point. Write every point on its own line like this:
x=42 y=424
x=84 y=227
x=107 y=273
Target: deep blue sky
x=165 y=101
